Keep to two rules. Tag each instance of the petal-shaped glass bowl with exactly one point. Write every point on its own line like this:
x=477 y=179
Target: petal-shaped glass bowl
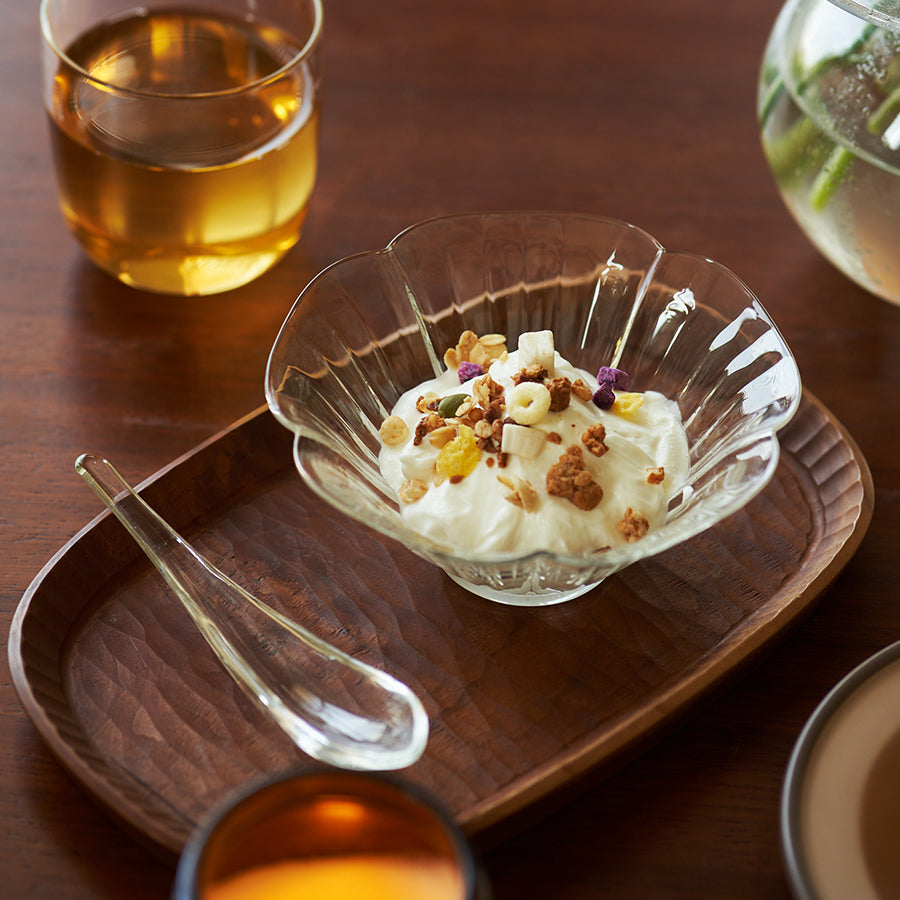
x=372 y=326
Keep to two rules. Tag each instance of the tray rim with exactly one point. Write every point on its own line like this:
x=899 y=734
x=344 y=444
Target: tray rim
x=580 y=758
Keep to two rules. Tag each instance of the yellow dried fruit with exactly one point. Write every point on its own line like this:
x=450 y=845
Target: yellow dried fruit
x=458 y=458
x=628 y=404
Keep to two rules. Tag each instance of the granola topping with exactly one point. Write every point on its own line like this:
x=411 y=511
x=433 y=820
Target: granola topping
x=428 y=402
x=535 y=372
x=393 y=431
x=568 y=477
x=412 y=490
x=560 y=393
x=428 y=423
x=482 y=351
x=633 y=525
x=594 y=439
x=656 y=474
x=522 y=493
x=513 y=451
x=581 y=390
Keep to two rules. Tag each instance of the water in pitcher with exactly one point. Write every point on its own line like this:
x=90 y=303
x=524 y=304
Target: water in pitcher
x=830 y=120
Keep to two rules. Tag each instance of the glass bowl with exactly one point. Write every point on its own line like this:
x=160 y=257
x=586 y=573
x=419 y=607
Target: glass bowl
x=372 y=326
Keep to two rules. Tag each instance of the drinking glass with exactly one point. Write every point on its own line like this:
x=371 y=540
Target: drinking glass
x=184 y=137
x=329 y=833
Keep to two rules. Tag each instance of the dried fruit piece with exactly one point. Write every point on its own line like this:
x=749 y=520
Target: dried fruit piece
x=393 y=431
x=618 y=378
x=628 y=404
x=536 y=348
x=459 y=457
x=527 y=403
x=469 y=370
x=604 y=396
x=520 y=440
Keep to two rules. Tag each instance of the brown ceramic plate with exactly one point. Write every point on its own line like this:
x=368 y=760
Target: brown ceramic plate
x=522 y=701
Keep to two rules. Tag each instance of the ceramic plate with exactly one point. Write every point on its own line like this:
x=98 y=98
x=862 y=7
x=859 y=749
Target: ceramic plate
x=841 y=801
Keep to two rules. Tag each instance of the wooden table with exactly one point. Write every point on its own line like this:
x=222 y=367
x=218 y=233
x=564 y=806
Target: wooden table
x=641 y=112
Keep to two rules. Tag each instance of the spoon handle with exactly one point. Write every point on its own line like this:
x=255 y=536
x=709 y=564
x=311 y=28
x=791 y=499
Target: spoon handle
x=334 y=707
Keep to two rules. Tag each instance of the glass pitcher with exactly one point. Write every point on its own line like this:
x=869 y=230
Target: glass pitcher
x=829 y=114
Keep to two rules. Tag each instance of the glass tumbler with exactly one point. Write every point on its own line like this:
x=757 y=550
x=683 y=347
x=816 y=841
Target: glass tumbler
x=328 y=833
x=184 y=137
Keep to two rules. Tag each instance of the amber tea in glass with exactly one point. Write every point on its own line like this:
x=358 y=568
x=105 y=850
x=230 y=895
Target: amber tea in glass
x=184 y=138
x=328 y=833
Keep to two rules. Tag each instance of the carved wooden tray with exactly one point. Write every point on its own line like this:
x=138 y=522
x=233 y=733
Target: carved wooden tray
x=522 y=701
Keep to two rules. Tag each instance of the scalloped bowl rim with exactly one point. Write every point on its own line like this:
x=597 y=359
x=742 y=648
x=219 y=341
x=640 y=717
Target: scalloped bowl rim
x=668 y=535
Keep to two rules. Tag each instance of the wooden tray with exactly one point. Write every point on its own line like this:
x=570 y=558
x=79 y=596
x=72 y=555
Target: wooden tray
x=523 y=701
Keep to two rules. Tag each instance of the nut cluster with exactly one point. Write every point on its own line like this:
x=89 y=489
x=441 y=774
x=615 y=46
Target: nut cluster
x=480 y=351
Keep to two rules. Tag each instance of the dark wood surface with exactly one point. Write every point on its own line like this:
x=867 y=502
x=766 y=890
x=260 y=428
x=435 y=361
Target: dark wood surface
x=643 y=112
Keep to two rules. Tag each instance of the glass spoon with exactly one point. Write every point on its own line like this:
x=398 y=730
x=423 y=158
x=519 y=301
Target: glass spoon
x=334 y=707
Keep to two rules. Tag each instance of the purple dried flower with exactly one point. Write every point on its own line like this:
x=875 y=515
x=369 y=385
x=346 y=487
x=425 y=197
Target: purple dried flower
x=469 y=370
x=618 y=378
x=604 y=396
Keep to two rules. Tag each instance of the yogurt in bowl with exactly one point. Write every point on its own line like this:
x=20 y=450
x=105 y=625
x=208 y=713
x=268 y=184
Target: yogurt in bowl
x=525 y=452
